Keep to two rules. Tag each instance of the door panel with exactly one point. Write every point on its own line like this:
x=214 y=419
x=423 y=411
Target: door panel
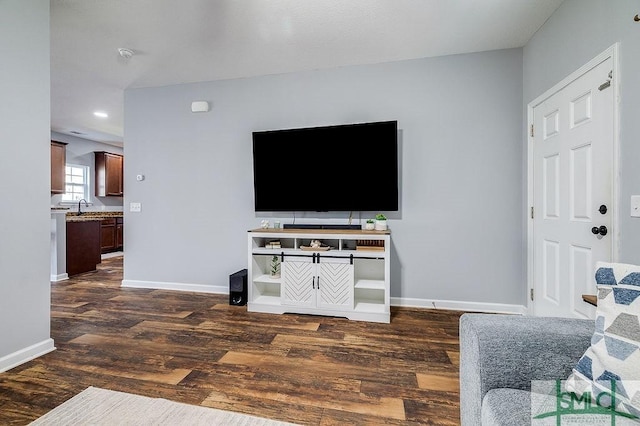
x=298 y=282
x=581 y=277
x=551 y=267
x=551 y=189
x=580 y=109
x=335 y=285
x=580 y=186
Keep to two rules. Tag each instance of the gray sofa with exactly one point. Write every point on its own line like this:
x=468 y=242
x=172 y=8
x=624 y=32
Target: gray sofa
x=499 y=356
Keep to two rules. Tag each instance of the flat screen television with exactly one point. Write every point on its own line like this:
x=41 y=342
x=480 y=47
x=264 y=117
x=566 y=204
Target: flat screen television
x=351 y=167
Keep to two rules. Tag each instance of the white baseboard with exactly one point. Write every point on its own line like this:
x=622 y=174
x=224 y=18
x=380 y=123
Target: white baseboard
x=14 y=359
x=452 y=305
x=455 y=305
x=59 y=277
x=161 y=285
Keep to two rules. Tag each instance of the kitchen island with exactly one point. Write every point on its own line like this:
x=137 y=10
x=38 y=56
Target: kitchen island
x=85 y=234
x=58 y=244
x=83 y=245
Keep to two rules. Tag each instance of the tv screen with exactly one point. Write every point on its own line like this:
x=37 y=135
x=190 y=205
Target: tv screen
x=352 y=167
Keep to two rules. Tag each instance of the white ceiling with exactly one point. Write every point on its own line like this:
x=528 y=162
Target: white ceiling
x=180 y=41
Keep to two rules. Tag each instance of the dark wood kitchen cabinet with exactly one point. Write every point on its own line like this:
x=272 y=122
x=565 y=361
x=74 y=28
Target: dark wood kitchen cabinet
x=112 y=237
x=119 y=234
x=109 y=175
x=58 y=162
x=108 y=235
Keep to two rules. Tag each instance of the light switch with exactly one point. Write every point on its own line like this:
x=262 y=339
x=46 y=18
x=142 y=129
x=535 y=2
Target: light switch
x=635 y=206
x=135 y=207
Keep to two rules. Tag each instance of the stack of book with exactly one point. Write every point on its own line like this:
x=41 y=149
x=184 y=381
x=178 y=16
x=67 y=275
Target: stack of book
x=377 y=245
x=274 y=244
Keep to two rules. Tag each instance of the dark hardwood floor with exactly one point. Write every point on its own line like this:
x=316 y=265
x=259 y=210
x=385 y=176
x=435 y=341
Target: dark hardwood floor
x=195 y=348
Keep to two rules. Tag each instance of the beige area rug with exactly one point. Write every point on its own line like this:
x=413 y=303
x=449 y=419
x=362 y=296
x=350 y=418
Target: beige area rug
x=95 y=406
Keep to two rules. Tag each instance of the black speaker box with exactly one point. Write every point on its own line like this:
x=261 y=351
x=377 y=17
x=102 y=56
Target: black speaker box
x=238 y=288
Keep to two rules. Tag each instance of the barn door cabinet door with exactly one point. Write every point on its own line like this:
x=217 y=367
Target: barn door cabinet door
x=109 y=174
x=318 y=283
x=58 y=160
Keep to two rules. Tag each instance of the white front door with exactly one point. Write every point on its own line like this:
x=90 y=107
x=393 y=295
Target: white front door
x=573 y=204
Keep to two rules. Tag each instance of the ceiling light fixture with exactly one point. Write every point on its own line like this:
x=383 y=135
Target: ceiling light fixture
x=125 y=53
x=101 y=114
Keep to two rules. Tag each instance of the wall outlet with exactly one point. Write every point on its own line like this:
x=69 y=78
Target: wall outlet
x=635 y=206
x=135 y=207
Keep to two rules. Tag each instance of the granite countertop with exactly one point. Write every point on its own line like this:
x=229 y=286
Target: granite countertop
x=92 y=216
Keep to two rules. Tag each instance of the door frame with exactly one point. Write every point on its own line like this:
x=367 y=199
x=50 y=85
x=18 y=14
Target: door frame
x=611 y=52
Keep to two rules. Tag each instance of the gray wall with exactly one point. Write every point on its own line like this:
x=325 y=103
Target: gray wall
x=577 y=32
x=24 y=176
x=458 y=235
x=80 y=151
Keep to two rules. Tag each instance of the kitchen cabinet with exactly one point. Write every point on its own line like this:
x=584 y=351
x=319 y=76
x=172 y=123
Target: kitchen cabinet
x=83 y=246
x=111 y=235
x=58 y=162
x=109 y=176
x=108 y=235
x=119 y=234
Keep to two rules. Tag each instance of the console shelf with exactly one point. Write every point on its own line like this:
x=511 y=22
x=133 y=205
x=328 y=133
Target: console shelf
x=266 y=279
x=347 y=280
x=371 y=284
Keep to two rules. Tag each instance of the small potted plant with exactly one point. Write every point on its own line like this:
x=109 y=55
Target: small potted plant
x=381 y=222
x=275 y=267
x=370 y=225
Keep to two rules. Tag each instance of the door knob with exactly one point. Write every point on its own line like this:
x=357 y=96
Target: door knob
x=602 y=209
x=601 y=230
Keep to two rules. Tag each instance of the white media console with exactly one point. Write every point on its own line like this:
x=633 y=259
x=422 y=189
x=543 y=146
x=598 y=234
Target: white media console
x=349 y=278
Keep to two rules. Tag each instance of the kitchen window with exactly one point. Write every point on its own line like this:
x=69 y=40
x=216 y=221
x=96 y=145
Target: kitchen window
x=76 y=182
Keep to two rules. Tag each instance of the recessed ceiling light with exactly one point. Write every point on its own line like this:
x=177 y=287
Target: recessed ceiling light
x=101 y=114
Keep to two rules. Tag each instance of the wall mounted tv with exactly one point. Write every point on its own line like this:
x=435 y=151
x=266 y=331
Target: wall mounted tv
x=351 y=167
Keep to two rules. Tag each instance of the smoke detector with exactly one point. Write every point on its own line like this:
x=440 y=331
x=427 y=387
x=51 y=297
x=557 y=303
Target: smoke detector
x=125 y=53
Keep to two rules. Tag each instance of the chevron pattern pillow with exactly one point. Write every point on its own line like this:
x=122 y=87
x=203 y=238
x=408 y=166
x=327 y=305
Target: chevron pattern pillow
x=613 y=359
